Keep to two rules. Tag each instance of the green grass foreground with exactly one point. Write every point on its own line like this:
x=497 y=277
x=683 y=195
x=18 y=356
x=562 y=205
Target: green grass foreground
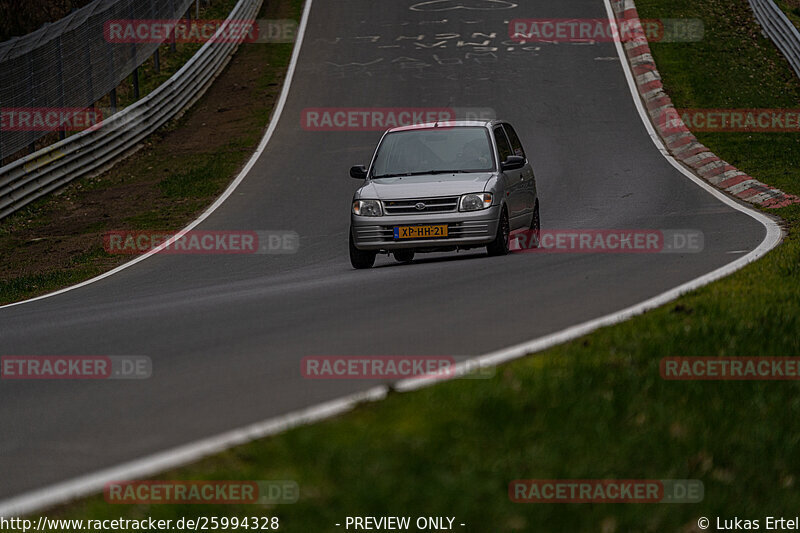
x=592 y=408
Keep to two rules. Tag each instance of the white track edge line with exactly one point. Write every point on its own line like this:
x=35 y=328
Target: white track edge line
x=273 y=123
x=89 y=484
x=85 y=485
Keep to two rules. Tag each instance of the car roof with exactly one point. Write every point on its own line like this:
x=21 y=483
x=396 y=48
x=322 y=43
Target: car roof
x=447 y=124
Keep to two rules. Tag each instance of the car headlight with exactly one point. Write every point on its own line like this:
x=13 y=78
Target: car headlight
x=368 y=208
x=475 y=201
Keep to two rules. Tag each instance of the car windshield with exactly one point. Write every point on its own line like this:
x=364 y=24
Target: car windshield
x=434 y=150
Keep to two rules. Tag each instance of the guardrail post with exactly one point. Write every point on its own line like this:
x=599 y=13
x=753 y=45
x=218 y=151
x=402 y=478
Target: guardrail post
x=136 y=83
x=33 y=88
x=110 y=63
x=156 y=58
x=61 y=133
x=172 y=47
x=89 y=82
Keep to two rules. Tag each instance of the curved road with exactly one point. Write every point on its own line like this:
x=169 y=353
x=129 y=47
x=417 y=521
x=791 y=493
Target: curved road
x=226 y=333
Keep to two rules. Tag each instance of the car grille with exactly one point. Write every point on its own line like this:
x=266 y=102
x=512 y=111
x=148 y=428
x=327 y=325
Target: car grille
x=412 y=207
x=455 y=230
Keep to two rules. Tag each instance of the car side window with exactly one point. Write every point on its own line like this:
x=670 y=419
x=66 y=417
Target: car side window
x=503 y=148
x=516 y=145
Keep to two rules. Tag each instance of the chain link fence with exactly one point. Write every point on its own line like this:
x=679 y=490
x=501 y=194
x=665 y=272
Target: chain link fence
x=96 y=149
x=70 y=64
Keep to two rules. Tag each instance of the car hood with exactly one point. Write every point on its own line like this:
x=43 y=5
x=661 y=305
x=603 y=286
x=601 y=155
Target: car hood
x=425 y=186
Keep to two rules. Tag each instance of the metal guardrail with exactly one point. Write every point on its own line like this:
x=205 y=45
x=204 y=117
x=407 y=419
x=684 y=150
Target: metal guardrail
x=97 y=149
x=780 y=29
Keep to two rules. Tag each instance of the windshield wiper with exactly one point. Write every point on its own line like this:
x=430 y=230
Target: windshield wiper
x=459 y=171
x=423 y=173
x=400 y=174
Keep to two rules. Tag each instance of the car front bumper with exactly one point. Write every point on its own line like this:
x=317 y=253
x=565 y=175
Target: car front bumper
x=464 y=229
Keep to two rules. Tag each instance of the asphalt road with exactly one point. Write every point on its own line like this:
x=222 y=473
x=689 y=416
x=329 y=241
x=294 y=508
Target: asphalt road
x=226 y=333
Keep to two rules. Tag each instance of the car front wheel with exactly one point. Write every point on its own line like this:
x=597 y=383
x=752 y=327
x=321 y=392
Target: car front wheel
x=499 y=246
x=536 y=228
x=403 y=256
x=360 y=258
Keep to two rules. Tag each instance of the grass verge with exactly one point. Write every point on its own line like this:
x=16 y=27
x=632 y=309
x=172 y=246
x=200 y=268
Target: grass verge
x=592 y=408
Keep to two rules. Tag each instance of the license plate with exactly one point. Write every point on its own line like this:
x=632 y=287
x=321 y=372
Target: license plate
x=420 y=232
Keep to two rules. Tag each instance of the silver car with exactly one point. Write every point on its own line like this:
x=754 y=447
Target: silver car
x=441 y=187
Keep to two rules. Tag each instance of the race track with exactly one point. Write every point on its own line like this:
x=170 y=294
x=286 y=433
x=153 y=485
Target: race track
x=226 y=333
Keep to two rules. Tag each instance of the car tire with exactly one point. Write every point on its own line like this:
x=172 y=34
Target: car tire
x=360 y=259
x=499 y=246
x=403 y=256
x=536 y=228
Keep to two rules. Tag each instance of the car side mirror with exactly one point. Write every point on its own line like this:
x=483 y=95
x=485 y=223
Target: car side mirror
x=512 y=162
x=358 y=172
